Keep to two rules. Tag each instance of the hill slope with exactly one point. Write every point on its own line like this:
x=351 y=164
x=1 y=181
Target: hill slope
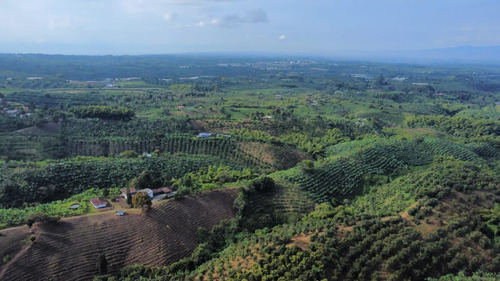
x=69 y=249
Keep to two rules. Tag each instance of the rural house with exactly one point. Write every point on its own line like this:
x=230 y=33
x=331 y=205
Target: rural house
x=151 y=192
x=99 y=202
x=204 y=135
x=164 y=190
x=133 y=192
x=12 y=113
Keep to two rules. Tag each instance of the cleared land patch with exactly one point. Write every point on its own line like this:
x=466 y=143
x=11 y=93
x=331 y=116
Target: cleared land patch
x=68 y=250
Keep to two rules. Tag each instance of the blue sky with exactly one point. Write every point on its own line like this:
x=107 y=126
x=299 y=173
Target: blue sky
x=322 y=27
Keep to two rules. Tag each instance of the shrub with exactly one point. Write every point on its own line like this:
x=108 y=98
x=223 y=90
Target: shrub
x=40 y=217
x=433 y=202
x=32 y=238
x=102 y=264
x=141 y=199
x=129 y=154
x=264 y=184
x=413 y=211
x=306 y=166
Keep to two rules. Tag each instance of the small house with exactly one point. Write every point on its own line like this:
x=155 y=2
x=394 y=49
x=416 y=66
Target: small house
x=13 y=112
x=99 y=202
x=164 y=190
x=204 y=135
x=148 y=191
x=120 y=213
x=74 y=206
x=132 y=192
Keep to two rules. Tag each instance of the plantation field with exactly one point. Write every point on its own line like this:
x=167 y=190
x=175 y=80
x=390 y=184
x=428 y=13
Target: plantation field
x=352 y=165
x=324 y=170
x=68 y=250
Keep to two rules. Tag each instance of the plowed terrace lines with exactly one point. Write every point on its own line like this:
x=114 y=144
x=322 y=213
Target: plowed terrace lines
x=69 y=249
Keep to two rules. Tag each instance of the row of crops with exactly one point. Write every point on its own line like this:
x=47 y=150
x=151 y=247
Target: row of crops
x=342 y=175
x=137 y=127
x=483 y=149
x=224 y=148
x=32 y=147
x=27 y=182
x=54 y=99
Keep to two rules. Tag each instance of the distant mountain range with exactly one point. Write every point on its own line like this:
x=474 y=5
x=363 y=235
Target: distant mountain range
x=464 y=54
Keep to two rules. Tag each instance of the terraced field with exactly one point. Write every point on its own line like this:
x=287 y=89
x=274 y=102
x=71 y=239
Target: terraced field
x=343 y=173
x=253 y=154
x=68 y=250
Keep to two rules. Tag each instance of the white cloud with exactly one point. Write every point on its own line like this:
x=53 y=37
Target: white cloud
x=281 y=37
x=169 y=16
x=233 y=20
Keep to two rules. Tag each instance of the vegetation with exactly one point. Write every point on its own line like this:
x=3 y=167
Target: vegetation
x=141 y=199
x=338 y=170
x=104 y=112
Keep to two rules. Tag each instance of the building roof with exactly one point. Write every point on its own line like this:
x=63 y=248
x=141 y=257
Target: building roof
x=162 y=190
x=98 y=201
x=148 y=191
x=132 y=191
x=155 y=191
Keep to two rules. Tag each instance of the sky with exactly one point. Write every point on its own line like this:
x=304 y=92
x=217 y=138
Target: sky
x=312 y=27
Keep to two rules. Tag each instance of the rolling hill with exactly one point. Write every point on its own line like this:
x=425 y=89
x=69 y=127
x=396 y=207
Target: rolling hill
x=68 y=250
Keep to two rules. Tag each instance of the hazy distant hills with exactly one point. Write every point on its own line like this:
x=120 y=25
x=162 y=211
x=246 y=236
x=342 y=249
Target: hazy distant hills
x=464 y=54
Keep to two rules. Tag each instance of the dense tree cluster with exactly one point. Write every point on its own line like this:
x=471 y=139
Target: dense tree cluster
x=103 y=111
x=42 y=182
x=211 y=177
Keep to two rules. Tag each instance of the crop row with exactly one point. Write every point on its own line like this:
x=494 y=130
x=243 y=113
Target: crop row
x=343 y=176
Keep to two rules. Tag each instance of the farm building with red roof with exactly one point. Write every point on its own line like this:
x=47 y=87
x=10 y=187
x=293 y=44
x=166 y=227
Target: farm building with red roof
x=99 y=202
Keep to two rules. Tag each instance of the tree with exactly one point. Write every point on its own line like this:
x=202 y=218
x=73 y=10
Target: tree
x=129 y=154
x=306 y=166
x=102 y=264
x=380 y=80
x=40 y=217
x=264 y=184
x=141 y=199
x=129 y=196
x=144 y=180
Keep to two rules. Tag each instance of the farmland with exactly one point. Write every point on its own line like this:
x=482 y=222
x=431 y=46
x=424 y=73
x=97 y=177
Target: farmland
x=279 y=169
x=166 y=234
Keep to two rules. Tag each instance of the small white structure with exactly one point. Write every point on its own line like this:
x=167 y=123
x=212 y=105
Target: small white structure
x=120 y=213
x=148 y=191
x=13 y=112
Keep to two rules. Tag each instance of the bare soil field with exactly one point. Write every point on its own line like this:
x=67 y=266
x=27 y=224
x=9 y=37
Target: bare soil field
x=68 y=250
